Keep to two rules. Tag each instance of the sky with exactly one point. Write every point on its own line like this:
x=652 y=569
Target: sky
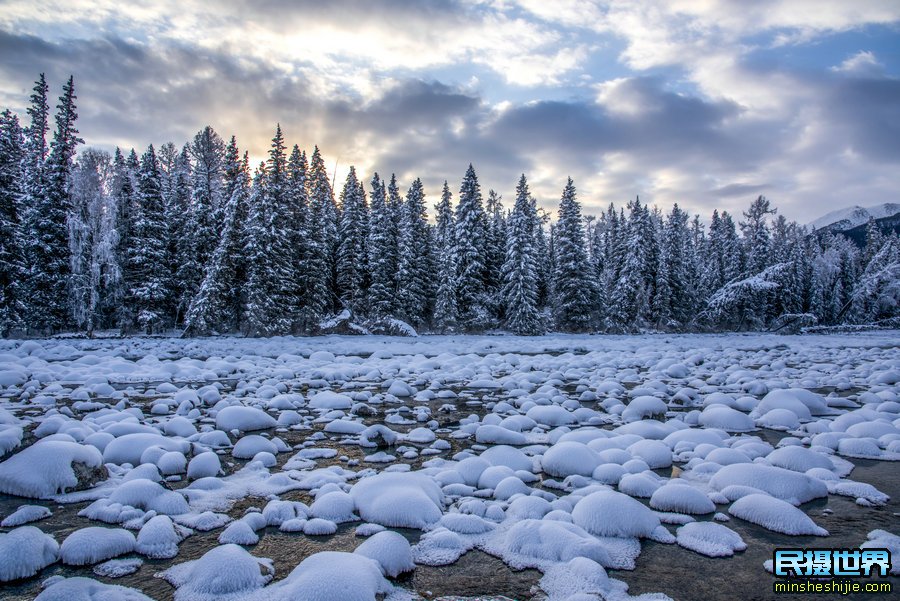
x=707 y=103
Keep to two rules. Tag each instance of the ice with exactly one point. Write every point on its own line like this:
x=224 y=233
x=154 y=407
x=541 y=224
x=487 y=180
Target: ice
x=331 y=576
x=244 y=419
x=398 y=500
x=25 y=551
x=88 y=589
x=95 y=544
x=159 y=537
x=224 y=570
x=778 y=482
x=710 y=539
x=775 y=514
x=24 y=515
x=391 y=550
x=46 y=468
x=116 y=568
x=681 y=498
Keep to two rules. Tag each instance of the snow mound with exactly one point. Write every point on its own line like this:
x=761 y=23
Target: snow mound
x=245 y=419
x=398 y=500
x=610 y=513
x=116 y=568
x=47 y=468
x=567 y=458
x=332 y=576
x=88 y=589
x=130 y=448
x=224 y=570
x=775 y=514
x=327 y=399
x=95 y=544
x=548 y=540
x=238 y=532
x=780 y=483
x=725 y=418
x=681 y=498
x=25 y=514
x=799 y=459
x=159 y=538
x=25 y=552
x=710 y=539
x=391 y=550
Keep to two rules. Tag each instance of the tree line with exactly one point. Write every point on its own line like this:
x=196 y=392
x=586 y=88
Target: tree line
x=192 y=238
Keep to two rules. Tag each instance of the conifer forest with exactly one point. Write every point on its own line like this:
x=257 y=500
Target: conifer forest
x=194 y=239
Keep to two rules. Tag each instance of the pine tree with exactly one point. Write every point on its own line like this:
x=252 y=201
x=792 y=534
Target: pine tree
x=414 y=272
x=49 y=253
x=261 y=314
x=12 y=261
x=494 y=253
x=445 y=309
x=676 y=305
x=352 y=234
x=572 y=283
x=218 y=304
x=470 y=253
x=146 y=256
x=519 y=269
x=200 y=228
x=298 y=221
x=634 y=288
x=321 y=291
x=382 y=252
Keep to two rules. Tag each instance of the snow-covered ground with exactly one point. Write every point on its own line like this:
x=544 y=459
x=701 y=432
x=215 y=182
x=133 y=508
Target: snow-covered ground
x=559 y=453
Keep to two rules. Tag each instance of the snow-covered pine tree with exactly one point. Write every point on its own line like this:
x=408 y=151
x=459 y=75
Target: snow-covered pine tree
x=91 y=235
x=520 y=270
x=146 y=255
x=260 y=317
x=572 y=284
x=415 y=273
x=12 y=260
x=676 y=308
x=470 y=253
x=382 y=252
x=298 y=232
x=48 y=279
x=445 y=310
x=200 y=233
x=32 y=183
x=634 y=289
x=352 y=235
x=757 y=244
x=321 y=293
x=494 y=253
x=218 y=304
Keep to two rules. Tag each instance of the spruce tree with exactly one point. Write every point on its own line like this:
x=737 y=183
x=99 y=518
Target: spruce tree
x=12 y=260
x=573 y=286
x=321 y=292
x=48 y=280
x=382 y=252
x=298 y=221
x=218 y=305
x=445 y=309
x=146 y=256
x=470 y=253
x=414 y=273
x=519 y=269
x=352 y=234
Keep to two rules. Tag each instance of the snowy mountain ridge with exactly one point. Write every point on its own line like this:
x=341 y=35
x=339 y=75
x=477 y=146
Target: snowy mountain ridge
x=849 y=217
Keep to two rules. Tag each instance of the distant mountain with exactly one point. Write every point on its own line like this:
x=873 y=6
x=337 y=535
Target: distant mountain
x=851 y=217
x=885 y=224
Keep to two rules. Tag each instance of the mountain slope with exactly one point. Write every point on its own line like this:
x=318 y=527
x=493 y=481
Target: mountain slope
x=850 y=217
